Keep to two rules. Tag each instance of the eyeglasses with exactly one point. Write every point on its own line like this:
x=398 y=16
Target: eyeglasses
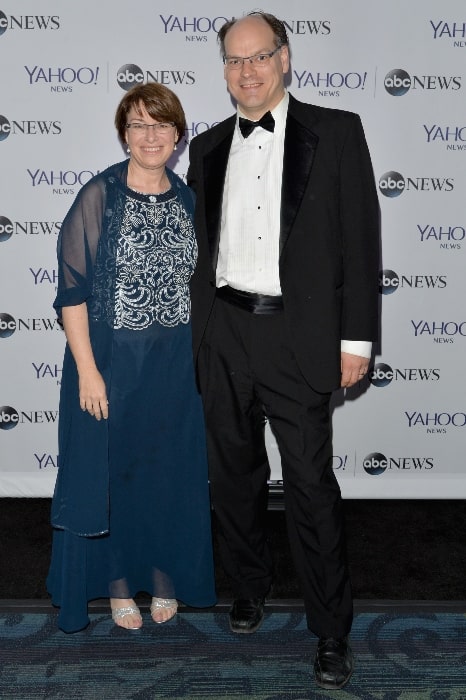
x=141 y=127
x=260 y=59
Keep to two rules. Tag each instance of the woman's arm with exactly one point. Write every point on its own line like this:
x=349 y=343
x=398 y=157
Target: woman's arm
x=92 y=391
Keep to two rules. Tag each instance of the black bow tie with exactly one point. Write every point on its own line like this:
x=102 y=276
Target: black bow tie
x=246 y=126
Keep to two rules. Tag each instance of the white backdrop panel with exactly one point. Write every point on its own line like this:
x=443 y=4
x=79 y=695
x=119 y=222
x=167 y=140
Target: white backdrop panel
x=402 y=68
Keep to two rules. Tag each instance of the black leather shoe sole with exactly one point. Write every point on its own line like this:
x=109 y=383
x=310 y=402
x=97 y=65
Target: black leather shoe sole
x=246 y=615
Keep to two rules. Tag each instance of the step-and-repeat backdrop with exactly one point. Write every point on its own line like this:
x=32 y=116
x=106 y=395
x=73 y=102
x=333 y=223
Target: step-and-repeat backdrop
x=401 y=66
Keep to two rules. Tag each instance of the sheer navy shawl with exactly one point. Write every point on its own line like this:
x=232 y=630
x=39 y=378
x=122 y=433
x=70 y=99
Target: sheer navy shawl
x=86 y=252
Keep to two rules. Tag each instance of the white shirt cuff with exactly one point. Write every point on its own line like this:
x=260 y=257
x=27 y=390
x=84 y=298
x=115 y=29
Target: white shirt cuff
x=363 y=348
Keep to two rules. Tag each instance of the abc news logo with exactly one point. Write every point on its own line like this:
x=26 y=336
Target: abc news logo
x=9 y=417
x=130 y=75
x=6 y=229
x=9 y=325
x=28 y=22
x=392 y=184
x=381 y=375
x=397 y=82
x=9 y=228
x=377 y=463
x=390 y=281
x=28 y=128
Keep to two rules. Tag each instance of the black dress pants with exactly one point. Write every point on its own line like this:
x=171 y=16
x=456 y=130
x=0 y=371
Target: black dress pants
x=248 y=374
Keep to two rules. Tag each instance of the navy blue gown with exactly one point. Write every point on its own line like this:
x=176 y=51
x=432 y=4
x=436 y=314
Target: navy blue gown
x=159 y=538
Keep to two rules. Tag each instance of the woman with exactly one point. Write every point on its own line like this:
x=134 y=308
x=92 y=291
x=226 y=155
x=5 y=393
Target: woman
x=131 y=505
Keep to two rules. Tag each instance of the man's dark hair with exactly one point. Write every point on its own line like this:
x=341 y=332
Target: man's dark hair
x=276 y=25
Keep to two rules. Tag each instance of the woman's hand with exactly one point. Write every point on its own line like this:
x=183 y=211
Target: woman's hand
x=93 y=394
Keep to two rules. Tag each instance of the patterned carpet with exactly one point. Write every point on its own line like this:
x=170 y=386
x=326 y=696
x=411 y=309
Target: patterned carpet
x=402 y=654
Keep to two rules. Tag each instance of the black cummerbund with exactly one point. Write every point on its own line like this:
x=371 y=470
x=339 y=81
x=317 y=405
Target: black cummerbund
x=254 y=303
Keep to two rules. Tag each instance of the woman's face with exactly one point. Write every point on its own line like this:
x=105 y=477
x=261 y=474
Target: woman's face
x=150 y=148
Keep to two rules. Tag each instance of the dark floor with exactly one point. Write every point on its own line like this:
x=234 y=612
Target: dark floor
x=397 y=550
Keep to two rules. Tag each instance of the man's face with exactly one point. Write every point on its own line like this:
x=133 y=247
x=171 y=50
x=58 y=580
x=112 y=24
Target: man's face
x=255 y=88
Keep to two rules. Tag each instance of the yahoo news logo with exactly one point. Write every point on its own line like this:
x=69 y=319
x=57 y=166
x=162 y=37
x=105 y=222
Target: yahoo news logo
x=62 y=79
x=390 y=281
x=28 y=22
x=61 y=181
x=398 y=82
x=449 y=237
x=377 y=463
x=43 y=276
x=392 y=184
x=331 y=81
x=45 y=460
x=28 y=128
x=454 y=137
x=130 y=75
x=436 y=422
x=440 y=331
x=381 y=375
x=450 y=30
x=340 y=462
x=47 y=370
x=192 y=25
x=198 y=128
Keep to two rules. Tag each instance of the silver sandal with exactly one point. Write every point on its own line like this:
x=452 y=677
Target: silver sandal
x=119 y=613
x=163 y=604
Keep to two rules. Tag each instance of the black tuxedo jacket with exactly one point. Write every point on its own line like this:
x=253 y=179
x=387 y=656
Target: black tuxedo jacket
x=329 y=234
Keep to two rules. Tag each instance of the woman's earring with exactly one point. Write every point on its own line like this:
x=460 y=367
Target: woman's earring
x=175 y=147
x=127 y=150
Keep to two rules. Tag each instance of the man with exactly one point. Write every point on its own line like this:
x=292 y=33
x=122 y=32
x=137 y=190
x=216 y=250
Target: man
x=284 y=309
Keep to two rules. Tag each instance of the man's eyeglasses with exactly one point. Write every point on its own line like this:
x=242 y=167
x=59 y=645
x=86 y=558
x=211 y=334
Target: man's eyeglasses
x=142 y=128
x=260 y=59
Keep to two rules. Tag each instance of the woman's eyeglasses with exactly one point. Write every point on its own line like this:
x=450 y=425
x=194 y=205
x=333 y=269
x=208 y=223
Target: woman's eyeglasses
x=142 y=127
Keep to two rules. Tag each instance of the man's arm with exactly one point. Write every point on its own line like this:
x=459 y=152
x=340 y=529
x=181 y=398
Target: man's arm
x=359 y=216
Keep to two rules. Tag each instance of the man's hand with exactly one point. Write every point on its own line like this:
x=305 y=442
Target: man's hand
x=353 y=369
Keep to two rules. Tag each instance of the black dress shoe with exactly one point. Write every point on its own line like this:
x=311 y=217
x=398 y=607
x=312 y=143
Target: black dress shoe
x=246 y=615
x=334 y=663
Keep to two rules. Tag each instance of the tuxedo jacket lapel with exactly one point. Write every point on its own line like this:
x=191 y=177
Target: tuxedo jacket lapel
x=299 y=151
x=215 y=167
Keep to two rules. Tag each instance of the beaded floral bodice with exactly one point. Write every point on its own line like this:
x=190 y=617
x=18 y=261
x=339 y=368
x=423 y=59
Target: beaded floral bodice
x=155 y=258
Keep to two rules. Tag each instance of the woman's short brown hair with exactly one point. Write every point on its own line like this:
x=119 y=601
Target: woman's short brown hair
x=160 y=103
